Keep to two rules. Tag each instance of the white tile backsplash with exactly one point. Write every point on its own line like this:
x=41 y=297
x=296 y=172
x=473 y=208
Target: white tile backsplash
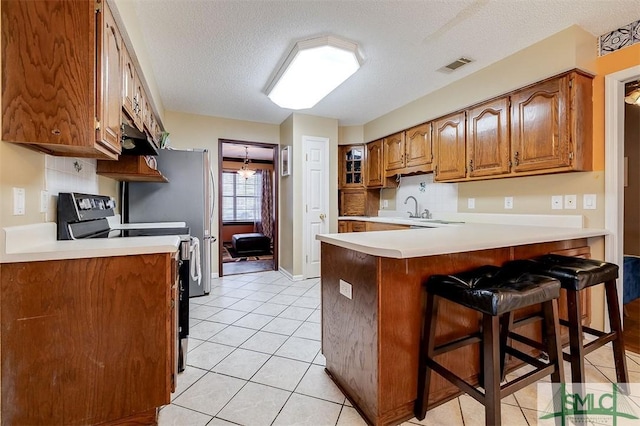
x=436 y=197
x=66 y=174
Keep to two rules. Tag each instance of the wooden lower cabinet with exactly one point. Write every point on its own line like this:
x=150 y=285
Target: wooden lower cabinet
x=371 y=341
x=359 y=202
x=363 y=226
x=88 y=341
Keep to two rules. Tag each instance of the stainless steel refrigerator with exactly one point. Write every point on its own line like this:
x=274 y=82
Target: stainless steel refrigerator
x=187 y=197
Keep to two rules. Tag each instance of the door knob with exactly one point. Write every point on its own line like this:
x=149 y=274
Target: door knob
x=322 y=216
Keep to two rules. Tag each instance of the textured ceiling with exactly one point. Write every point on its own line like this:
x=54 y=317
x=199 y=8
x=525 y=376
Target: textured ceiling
x=215 y=57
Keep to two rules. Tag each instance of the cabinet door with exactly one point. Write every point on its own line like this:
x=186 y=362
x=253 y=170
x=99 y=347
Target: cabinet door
x=488 y=138
x=352 y=166
x=375 y=165
x=394 y=154
x=449 y=142
x=110 y=91
x=353 y=203
x=418 y=146
x=540 y=126
x=138 y=103
x=128 y=84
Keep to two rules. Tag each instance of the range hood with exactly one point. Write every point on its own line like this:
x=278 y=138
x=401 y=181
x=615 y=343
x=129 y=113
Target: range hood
x=135 y=142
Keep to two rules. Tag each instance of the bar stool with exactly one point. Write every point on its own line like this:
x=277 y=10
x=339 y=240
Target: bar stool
x=493 y=293
x=576 y=274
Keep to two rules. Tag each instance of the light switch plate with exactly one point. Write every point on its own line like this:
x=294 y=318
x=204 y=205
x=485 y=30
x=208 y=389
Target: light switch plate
x=508 y=202
x=44 y=201
x=346 y=289
x=589 y=201
x=471 y=203
x=556 y=202
x=570 y=202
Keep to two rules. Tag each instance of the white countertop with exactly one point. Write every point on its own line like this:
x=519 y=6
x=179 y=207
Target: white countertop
x=453 y=238
x=37 y=242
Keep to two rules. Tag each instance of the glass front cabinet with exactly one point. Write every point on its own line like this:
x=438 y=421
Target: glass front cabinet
x=352 y=166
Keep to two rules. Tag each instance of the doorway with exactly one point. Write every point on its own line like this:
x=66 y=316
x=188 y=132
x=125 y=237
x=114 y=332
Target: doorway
x=615 y=86
x=248 y=200
x=631 y=212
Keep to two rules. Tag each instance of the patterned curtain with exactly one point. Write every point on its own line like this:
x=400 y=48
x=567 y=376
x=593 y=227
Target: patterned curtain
x=265 y=226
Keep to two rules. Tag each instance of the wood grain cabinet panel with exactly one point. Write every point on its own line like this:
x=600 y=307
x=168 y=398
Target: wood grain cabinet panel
x=394 y=153
x=551 y=125
x=488 y=138
x=59 y=72
x=128 y=84
x=374 y=176
x=87 y=341
x=419 y=148
x=449 y=140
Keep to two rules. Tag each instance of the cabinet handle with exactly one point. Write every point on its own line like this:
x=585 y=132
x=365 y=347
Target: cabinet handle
x=471 y=165
x=516 y=158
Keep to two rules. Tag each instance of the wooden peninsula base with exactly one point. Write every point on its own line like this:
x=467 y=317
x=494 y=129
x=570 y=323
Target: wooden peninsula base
x=371 y=340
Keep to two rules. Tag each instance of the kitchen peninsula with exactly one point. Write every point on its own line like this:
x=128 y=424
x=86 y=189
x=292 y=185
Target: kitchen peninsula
x=372 y=311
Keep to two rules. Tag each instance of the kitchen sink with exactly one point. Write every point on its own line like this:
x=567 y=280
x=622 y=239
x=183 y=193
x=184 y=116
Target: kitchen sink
x=444 y=222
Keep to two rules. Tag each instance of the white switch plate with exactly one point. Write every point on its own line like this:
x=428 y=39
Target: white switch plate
x=556 y=202
x=471 y=203
x=385 y=204
x=589 y=201
x=508 y=202
x=570 y=201
x=346 y=289
x=44 y=201
x=18 y=201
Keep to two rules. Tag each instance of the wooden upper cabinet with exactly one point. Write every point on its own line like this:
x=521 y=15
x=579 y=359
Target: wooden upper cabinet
x=352 y=165
x=449 y=143
x=110 y=95
x=374 y=176
x=418 y=147
x=551 y=125
x=54 y=54
x=488 y=138
x=128 y=85
x=394 y=153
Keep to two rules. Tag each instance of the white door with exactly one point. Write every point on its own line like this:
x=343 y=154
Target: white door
x=316 y=200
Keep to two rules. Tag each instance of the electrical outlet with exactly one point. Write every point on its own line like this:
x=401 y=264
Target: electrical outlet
x=556 y=202
x=589 y=201
x=471 y=203
x=508 y=202
x=346 y=289
x=18 y=201
x=44 y=201
x=570 y=202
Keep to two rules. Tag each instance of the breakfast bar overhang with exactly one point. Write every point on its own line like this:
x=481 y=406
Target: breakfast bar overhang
x=372 y=304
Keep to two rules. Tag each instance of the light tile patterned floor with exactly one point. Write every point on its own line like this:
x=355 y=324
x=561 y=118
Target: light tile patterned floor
x=254 y=359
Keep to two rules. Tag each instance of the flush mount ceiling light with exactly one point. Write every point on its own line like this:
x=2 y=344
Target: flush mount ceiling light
x=244 y=171
x=312 y=70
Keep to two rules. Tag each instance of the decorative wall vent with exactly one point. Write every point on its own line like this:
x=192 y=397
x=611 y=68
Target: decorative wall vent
x=620 y=38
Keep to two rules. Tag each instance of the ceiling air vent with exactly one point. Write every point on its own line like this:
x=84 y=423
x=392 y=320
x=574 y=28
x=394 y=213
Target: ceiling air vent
x=455 y=65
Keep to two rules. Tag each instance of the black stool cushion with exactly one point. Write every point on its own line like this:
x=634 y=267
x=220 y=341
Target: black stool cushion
x=494 y=291
x=574 y=273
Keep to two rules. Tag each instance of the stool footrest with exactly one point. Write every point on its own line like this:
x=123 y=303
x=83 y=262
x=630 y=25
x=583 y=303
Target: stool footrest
x=525 y=357
x=529 y=342
x=525 y=380
x=458 y=343
x=456 y=380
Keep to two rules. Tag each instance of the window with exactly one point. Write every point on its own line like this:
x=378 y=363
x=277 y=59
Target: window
x=240 y=197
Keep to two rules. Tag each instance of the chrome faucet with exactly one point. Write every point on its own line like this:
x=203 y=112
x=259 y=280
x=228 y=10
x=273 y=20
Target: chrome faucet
x=415 y=214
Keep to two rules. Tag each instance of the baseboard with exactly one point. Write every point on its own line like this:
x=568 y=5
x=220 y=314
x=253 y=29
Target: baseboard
x=289 y=275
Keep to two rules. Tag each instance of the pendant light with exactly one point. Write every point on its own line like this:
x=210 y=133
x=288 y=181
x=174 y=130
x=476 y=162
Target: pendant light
x=244 y=171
